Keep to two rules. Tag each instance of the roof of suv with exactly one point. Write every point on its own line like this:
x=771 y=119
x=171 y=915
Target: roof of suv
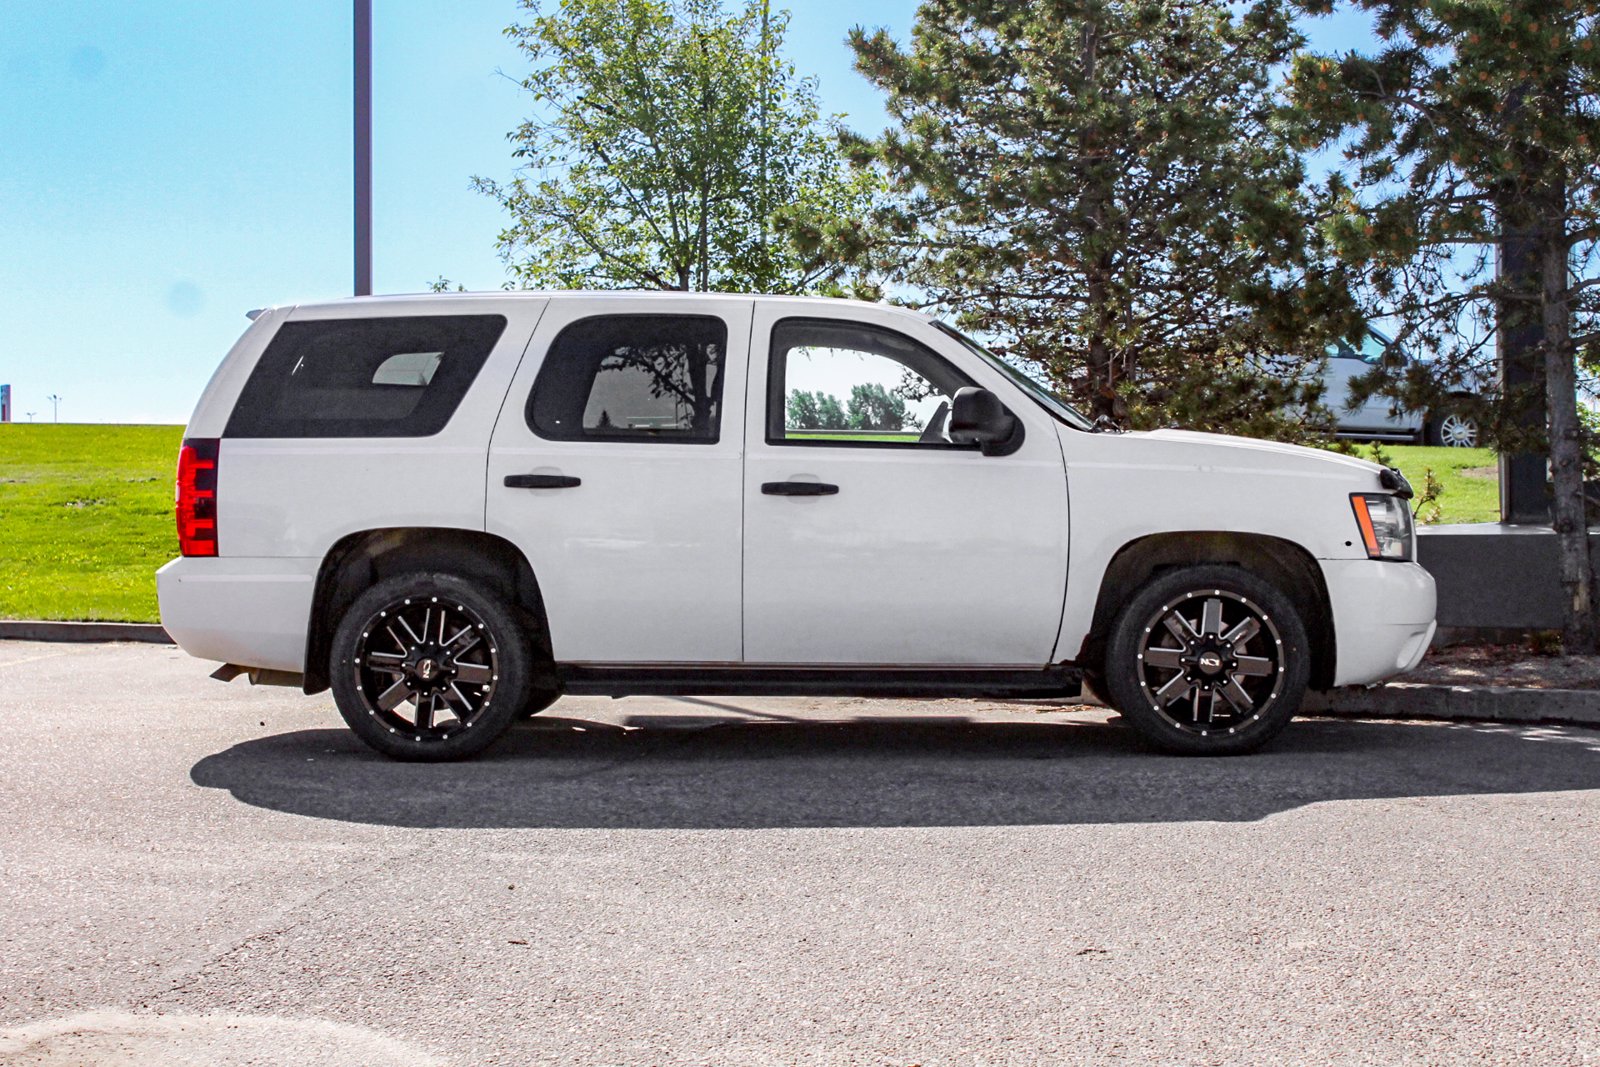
x=665 y=297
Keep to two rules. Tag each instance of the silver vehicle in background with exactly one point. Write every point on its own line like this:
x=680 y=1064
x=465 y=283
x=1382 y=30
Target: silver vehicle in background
x=1377 y=418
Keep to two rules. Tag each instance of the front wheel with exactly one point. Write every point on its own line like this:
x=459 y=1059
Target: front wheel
x=430 y=667
x=1208 y=660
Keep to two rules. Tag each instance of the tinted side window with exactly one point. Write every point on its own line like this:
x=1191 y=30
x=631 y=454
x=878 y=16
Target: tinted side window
x=385 y=377
x=632 y=378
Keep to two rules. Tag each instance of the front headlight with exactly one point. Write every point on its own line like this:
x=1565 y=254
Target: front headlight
x=1385 y=524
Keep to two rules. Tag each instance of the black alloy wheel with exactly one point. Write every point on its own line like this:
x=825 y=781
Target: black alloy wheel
x=425 y=667
x=1208 y=660
x=430 y=667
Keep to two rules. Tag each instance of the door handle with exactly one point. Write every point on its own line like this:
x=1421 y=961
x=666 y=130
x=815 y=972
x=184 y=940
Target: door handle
x=798 y=488
x=542 y=481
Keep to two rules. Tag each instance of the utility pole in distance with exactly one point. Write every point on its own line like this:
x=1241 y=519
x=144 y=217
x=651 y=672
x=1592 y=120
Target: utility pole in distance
x=55 y=407
x=363 y=146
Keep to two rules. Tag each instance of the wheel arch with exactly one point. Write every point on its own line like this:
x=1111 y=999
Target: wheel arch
x=1287 y=565
x=359 y=560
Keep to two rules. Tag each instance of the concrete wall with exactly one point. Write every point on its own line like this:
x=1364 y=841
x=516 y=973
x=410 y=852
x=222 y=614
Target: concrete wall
x=1495 y=576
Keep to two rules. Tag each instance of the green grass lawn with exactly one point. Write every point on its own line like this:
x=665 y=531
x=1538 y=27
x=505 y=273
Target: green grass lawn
x=85 y=519
x=1469 y=478
x=853 y=435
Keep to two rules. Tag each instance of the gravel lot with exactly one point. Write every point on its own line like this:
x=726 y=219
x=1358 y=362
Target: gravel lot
x=210 y=874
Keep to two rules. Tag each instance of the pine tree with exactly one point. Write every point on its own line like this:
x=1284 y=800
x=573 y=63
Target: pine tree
x=1095 y=185
x=1471 y=135
x=873 y=407
x=815 y=411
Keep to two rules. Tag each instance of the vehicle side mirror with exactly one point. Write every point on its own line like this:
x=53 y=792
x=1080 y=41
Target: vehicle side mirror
x=978 y=418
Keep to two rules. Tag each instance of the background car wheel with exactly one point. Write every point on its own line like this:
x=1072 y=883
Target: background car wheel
x=430 y=667
x=1452 y=429
x=1208 y=660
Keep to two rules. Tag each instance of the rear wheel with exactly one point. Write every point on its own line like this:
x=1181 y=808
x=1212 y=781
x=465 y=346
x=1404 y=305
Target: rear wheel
x=1208 y=660
x=430 y=667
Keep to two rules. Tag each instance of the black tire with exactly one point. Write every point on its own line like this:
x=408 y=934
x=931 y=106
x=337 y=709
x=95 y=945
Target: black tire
x=1233 y=679
x=1095 y=683
x=538 y=701
x=1450 y=428
x=398 y=645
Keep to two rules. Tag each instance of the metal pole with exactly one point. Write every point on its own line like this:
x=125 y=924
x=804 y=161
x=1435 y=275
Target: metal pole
x=1524 y=496
x=363 y=146
x=1519 y=340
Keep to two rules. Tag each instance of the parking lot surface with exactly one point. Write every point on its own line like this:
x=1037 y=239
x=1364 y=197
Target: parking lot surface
x=214 y=874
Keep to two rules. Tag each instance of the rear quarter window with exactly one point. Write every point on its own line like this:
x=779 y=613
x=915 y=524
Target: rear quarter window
x=380 y=377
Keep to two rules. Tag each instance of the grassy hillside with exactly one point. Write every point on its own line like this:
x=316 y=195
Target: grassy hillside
x=85 y=518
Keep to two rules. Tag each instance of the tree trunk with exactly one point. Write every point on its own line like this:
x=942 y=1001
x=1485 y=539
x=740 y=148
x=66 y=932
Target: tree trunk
x=1567 y=437
x=1102 y=384
x=1097 y=258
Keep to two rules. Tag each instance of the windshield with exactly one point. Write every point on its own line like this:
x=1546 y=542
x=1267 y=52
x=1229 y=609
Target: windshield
x=1046 y=399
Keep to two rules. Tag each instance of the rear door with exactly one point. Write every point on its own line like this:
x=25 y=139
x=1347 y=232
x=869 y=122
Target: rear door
x=615 y=467
x=1380 y=414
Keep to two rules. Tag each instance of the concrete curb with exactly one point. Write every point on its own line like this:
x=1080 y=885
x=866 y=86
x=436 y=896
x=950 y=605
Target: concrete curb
x=1486 y=703
x=42 y=630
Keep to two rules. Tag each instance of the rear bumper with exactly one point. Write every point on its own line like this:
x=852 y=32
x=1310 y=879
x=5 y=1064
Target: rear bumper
x=249 y=611
x=1383 y=616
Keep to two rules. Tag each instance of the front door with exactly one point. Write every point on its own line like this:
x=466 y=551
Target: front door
x=615 y=467
x=869 y=538
x=1376 y=414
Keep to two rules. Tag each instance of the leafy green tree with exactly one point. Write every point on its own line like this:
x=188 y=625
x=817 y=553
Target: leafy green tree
x=1096 y=186
x=872 y=407
x=1468 y=136
x=816 y=411
x=801 y=411
x=664 y=135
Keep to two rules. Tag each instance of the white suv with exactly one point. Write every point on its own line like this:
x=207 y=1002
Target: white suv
x=454 y=508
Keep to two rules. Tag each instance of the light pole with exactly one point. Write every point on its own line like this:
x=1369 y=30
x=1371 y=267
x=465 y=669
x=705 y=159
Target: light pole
x=31 y=415
x=363 y=145
x=55 y=407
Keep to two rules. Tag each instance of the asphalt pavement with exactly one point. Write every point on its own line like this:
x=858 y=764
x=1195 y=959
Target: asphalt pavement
x=200 y=873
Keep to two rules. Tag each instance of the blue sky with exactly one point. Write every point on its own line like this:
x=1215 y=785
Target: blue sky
x=170 y=164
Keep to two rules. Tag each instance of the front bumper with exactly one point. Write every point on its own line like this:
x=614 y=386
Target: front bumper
x=245 y=610
x=1383 y=617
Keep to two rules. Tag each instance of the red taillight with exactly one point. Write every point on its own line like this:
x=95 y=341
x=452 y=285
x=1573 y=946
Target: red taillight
x=197 y=496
